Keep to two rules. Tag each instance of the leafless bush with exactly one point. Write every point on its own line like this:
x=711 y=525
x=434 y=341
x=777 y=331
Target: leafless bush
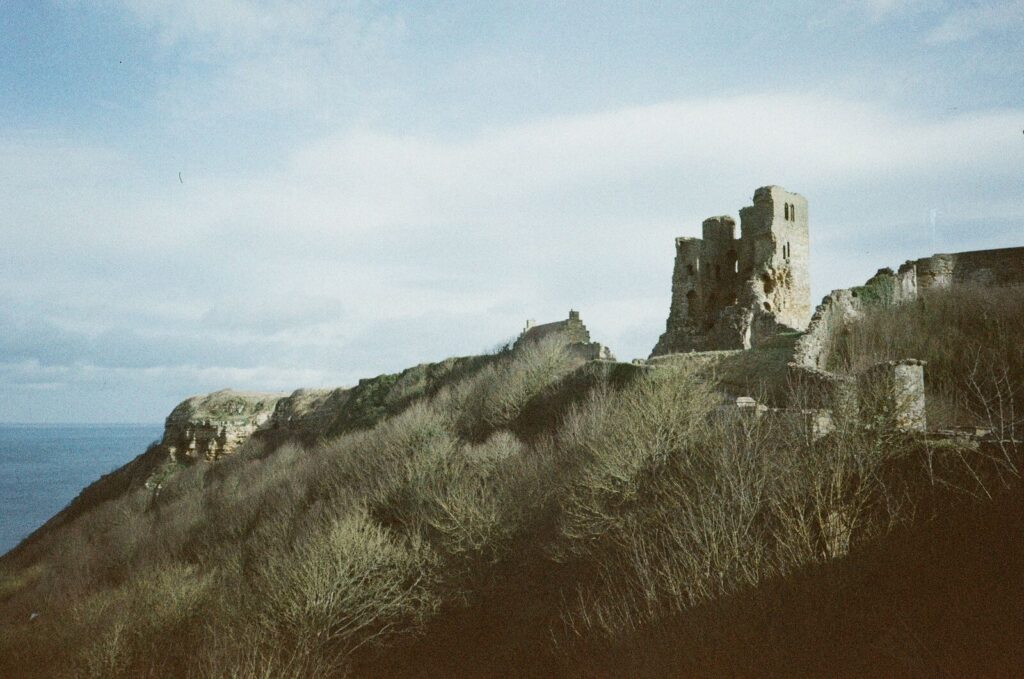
x=349 y=585
x=498 y=394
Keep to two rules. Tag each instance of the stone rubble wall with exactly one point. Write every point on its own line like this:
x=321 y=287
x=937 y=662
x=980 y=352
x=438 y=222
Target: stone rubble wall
x=892 y=395
x=903 y=381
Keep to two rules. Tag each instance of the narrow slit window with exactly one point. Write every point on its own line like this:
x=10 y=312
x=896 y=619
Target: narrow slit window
x=792 y=213
x=785 y=208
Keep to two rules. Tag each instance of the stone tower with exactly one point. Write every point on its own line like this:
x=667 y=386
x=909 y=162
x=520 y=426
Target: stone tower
x=733 y=293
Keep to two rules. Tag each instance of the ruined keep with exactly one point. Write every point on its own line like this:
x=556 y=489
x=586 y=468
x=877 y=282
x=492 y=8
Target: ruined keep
x=733 y=293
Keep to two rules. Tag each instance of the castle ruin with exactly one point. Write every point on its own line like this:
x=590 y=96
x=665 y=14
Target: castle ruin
x=572 y=332
x=733 y=293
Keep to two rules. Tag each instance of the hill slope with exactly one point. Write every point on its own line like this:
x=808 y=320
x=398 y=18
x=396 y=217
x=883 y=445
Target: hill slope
x=530 y=514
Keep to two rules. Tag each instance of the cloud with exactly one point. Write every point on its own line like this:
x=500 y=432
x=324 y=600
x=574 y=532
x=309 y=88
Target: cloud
x=366 y=251
x=882 y=9
x=977 y=19
x=241 y=59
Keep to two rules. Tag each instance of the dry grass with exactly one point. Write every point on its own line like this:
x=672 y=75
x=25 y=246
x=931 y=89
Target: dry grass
x=970 y=337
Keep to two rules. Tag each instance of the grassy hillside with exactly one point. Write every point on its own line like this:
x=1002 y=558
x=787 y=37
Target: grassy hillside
x=531 y=516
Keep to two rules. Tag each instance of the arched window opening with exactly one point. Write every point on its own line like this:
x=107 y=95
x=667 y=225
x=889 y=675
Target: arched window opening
x=792 y=213
x=767 y=306
x=785 y=209
x=689 y=269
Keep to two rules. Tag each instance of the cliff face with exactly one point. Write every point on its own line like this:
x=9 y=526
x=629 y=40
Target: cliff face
x=213 y=425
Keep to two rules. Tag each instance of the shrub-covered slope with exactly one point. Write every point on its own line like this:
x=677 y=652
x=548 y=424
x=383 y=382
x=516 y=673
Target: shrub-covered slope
x=532 y=516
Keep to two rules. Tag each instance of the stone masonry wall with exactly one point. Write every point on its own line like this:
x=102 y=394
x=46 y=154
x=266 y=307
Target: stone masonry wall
x=892 y=395
x=902 y=382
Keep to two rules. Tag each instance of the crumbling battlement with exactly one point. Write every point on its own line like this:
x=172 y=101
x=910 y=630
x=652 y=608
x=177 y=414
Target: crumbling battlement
x=733 y=293
x=1004 y=266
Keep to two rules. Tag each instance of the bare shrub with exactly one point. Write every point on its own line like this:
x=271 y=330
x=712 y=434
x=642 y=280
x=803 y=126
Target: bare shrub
x=346 y=587
x=498 y=394
x=623 y=507
x=122 y=630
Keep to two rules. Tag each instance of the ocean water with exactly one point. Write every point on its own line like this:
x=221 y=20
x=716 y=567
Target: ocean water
x=43 y=467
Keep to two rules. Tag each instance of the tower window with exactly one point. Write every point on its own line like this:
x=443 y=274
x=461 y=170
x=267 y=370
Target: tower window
x=792 y=213
x=689 y=269
x=785 y=209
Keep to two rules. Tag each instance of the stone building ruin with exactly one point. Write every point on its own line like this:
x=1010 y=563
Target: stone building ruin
x=733 y=293
x=572 y=331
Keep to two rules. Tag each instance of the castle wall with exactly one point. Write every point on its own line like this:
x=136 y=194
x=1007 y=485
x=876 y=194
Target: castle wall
x=572 y=332
x=893 y=391
x=885 y=288
x=982 y=267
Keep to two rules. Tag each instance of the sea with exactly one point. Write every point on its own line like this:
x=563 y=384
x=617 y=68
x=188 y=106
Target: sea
x=43 y=467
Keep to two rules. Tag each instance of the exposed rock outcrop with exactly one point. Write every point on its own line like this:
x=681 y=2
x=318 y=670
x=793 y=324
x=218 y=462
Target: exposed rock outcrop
x=213 y=425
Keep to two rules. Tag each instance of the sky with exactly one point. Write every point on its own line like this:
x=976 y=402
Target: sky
x=202 y=194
